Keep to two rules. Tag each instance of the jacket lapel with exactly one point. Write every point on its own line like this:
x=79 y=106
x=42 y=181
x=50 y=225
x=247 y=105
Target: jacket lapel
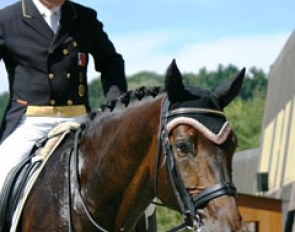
x=68 y=15
x=33 y=18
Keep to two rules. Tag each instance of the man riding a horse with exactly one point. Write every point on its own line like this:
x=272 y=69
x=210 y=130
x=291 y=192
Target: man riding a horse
x=174 y=144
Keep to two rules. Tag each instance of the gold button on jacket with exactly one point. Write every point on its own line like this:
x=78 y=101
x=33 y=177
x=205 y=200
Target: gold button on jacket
x=52 y=102
x=68 y=76
x=70 y=102
x=51 y=76
x=66 y=52
x=81 y=90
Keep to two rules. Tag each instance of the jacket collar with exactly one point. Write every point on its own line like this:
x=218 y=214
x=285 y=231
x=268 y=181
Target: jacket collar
x=29 y=10
x=32 y=16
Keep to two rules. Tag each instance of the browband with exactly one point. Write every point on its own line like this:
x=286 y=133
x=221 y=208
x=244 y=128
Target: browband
x=191 y=110
x=219 y=138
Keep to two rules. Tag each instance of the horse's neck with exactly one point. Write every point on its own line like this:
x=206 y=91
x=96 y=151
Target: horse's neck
x=118 y=159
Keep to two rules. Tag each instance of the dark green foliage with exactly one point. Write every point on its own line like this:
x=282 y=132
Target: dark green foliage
x=147 y=79
x=167 y=219
x=96 y=95
x=3 y=103
x=246 y=117
x=254 y=85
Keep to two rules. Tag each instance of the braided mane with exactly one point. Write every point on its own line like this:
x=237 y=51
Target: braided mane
x=131 y=96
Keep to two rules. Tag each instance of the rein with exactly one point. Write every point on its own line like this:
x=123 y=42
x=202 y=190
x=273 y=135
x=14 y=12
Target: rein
x=75 y=153
x=188 y=205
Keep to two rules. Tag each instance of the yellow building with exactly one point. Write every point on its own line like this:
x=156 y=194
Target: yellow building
x=270 y=169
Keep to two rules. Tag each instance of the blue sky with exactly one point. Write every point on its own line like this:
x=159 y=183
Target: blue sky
x=198 y=33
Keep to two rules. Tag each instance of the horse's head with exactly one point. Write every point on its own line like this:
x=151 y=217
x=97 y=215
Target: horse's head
x=202 y=145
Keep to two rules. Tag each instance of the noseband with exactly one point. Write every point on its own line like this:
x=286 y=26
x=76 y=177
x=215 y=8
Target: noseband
x=188 y=204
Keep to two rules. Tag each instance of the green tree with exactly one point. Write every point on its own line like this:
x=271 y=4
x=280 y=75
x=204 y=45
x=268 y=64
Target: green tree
x=254 y=85
x=96 y=96
x=246 y=117
x=3 y=103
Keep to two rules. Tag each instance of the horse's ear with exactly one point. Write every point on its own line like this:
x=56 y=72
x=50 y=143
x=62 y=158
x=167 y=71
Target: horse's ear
x=173 y=82
x=227 y=92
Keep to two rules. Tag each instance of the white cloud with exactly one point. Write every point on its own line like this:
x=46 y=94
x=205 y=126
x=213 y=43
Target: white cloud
x=244 y=51
x=150 y=51
x=144 y=51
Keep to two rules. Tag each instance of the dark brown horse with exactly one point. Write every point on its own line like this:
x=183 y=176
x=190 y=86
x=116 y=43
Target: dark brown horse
x=175 y=145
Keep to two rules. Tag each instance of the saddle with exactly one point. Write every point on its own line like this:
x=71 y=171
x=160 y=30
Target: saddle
x=22 y=177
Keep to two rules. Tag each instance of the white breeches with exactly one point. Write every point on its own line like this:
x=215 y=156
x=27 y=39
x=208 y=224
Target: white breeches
x=18 y=145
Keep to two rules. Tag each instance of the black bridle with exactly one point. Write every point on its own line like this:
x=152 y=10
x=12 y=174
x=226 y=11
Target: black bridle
x=187 y=204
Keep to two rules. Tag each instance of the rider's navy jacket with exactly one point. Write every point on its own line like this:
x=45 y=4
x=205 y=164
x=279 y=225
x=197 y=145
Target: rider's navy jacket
x=50 y=69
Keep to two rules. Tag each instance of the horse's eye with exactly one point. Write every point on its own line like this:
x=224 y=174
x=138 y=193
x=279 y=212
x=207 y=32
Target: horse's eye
x=183 y=147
